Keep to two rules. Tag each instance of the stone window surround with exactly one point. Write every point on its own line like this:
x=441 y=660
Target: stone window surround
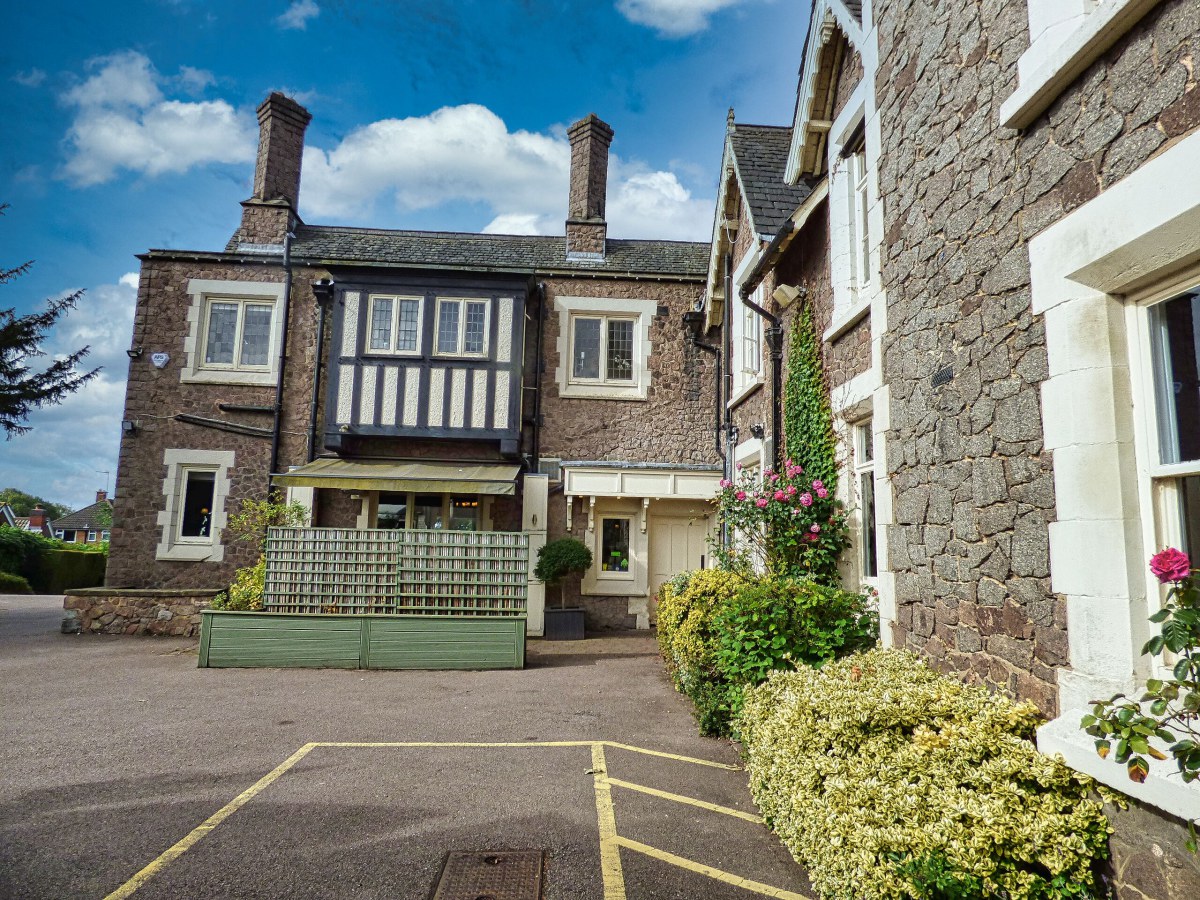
x=642 y=310
x=179 y=463
x=743 y=386
x=1062 y=46
x=1136 y=235
x=635 y=582
x=202 y=290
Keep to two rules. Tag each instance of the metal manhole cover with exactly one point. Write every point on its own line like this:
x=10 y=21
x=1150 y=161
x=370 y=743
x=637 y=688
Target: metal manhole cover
x=492 y=875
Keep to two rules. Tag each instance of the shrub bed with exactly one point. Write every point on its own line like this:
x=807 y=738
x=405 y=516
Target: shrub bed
x=13 y=584
x=888 y=780
x=719 y=631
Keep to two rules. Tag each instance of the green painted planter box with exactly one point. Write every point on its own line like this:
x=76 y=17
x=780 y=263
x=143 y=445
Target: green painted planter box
x=349 y=641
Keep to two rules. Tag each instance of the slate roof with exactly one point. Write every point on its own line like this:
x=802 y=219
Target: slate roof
x=82 y=519
x=760 y=155
x=493 y=252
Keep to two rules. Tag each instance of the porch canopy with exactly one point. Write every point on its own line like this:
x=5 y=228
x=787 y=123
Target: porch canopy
x=404 y=475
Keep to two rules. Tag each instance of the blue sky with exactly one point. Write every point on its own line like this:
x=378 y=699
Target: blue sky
x=136 y=130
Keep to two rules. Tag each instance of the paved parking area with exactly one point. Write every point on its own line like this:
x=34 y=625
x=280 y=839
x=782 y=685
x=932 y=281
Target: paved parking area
x=130 y=772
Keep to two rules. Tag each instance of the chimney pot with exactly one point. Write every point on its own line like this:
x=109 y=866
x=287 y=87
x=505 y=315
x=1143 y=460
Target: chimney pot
x=37 y=517
x=101 y=496
x=586 y=227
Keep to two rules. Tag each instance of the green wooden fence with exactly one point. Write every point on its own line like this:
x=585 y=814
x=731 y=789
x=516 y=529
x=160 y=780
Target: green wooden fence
x=339 y=570
x=422 y=641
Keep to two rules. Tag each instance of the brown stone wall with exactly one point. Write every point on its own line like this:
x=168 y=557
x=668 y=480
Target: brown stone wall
x=962 y=197
x=674 y=424
x=107 y=611
x=155 y=396
x=586 y=238
x=1149 y=858
x=335 y=509
x=754 y=408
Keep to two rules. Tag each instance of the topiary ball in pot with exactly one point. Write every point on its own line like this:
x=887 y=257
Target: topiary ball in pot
x=560 y=558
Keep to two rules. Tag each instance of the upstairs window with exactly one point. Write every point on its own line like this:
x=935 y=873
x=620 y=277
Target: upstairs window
x=395 y=324
x=602 y=349
x=462 y=327
x=860 y=244
x=752 y=339
x=237 y=334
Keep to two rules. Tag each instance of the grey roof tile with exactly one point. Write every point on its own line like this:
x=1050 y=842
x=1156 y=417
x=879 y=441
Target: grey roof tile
x=493 y=252
x=760 y=157
x=82 y=519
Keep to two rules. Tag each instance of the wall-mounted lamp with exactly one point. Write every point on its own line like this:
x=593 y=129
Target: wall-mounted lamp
x=133 y=352
x=129 y=426
x=758 y=430
x=786 y=294
x=693 y=323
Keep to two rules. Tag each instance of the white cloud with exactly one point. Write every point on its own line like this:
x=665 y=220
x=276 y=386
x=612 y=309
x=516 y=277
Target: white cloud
x=467 y=154
x=123 y=121
x=673 y=18
x=195 y=80
x=297 y=16
x=31 y=79
x=72 y=444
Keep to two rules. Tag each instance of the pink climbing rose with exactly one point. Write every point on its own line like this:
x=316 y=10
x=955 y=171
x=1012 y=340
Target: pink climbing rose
x=815 y=529
x=806 y=499
x=725 y=482
x=822 y=493
x=1170 y=565
x=760 y=502
x=791 y=490
x=741 y=495
x=818 y=484
x=779 y=495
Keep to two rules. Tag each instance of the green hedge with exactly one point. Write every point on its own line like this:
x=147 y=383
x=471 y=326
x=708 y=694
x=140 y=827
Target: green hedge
x=13 y=584
x=887 y=780
x=719 y=631
x=57 y=571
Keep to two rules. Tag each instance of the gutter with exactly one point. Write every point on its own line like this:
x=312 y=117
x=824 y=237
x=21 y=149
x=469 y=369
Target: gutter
x=277 y=421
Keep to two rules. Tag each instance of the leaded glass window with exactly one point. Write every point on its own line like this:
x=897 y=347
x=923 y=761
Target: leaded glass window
x=603 y=349
x=620 y=350
x=448 y=312
x=395 y=324
x=381 y=323
x=462 y=327
x=408 y=331
x=238 y=334
x=473 y=337
x=586 y=355
x=222 y=333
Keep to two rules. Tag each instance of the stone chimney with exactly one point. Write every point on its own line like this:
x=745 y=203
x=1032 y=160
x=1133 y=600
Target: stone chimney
x=101 y=496
x=586 y=228
x=268 y=214
x=37 y=518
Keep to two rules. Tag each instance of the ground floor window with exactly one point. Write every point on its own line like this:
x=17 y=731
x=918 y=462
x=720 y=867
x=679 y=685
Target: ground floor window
x=614 y=544
x=198 y=494
x=195 y=491
x=429 y=511
x=864 y=474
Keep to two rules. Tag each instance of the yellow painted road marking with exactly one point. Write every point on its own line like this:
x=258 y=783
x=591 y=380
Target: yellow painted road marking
x=690 y=801
x=606 y=819
x=201 y=831
x=675 y=756
x=716 y=874
x=437 y=744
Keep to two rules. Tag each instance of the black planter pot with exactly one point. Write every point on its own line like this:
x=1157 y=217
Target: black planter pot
x=564 y=624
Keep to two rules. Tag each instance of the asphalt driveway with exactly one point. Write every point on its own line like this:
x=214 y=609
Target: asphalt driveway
x=130 y=772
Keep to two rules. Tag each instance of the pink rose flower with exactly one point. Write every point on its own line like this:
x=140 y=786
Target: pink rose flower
x=774 y=476
x=806 y=499
x=739 y=465
x=822 y=493
x=760 y=502
x=791 y=490
x=788 y=463
x=779 y=495
x=816 y=529
x=818 y=484
x=1170 y=565
x=725 y=482
x=741 y=495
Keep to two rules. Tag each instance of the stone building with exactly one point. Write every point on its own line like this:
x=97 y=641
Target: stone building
x=419 y=380
x=995 y=226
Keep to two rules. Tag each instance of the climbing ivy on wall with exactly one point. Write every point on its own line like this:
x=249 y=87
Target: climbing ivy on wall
x=807 y=417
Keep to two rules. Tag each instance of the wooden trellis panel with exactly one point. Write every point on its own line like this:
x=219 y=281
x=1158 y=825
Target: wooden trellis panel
x=337 y=570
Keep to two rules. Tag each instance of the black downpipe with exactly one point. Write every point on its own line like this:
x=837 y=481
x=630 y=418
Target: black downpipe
x=716 y=353
x=277 y=422
x=775 y=343
x=323 y=291
x=539 y=365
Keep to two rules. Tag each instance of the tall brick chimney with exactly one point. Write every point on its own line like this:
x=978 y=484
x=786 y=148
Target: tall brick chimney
x=586 y=227
x=268 y=214
x=37 y=517
x=101 y=496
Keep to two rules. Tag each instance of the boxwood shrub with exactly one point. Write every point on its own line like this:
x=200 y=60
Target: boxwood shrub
x=13 y=584
x=719 y=631
x=888 y=780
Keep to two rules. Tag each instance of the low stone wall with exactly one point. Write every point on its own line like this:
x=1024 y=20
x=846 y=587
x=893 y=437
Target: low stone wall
x=1149 y=859
x=174 y=612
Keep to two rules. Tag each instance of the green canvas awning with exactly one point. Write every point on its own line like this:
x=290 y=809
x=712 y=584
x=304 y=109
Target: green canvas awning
x=395 y=475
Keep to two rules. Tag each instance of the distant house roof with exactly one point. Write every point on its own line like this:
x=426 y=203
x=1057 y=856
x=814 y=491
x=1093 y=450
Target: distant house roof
x=82 y=519
x=493 y=252
x=759 y=154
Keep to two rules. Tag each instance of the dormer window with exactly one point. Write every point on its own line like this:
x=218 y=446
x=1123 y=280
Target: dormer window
x=462 y=327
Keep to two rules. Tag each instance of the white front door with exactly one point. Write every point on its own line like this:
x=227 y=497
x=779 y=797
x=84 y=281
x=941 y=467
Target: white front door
x=677 y=544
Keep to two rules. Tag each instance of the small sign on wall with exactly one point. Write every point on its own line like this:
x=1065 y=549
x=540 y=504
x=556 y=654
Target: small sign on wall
x=160 y=359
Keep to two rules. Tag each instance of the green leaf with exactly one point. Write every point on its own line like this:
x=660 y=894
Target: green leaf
x=1153 y=646
x=1160 y=616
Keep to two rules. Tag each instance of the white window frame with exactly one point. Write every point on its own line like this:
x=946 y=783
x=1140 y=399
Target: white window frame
x=641 y=311
x=459 y=352
x=172 y=545
x=604 y=379
x=391 y=349
x=630 y=574
x=860 y=233
x=205 y=292
x=864 y=436
x=854 y=217
x=237 y=365
x=746 y=378
x=91 y=537
x=58 y=533
x=105 y=535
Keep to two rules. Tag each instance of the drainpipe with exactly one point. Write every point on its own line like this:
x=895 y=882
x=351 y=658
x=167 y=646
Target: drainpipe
x=277 y=424
x=323 y=291
x=538 y=368
x=693 y=321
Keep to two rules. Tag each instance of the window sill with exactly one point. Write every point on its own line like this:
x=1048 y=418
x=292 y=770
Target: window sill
x=1098 y=32
x=191 y=552
x=602 y=392
x=213 y=376
x=740 y=397
x=847 y=320
x=1163 y=787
